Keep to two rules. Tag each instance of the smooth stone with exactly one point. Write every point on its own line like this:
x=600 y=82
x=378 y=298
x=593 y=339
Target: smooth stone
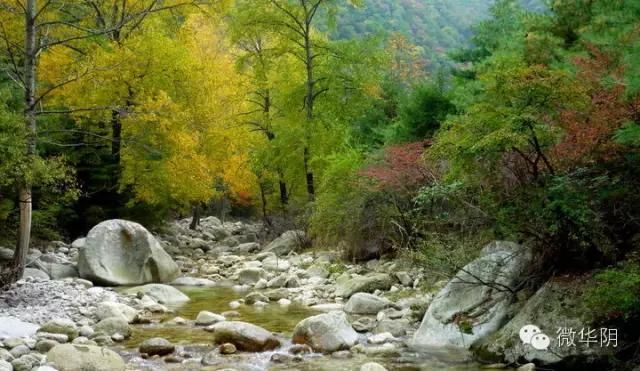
x=365 y=303
x=60 y=326
x=108 y=309
x=163 y=294
x=73 y=357
x=156 y=346
x=227 y=348
x=245 y=336
x=206 y=318
x=328 y=332
x=113 y=325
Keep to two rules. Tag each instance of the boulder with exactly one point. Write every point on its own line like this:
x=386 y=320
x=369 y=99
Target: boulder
x=193 y=281
x=79 y=243
x=245 y=336
x=120 y=252
x=108 y=309
x=364 y=303
x=13 y=327
x=254 y=297
x=477 y=301
x=248 y=247
x=45 y=345
x=317 y=270
x=5 y=355
x=369 y=283
x=60 y=326
x=5 y=366
x=557 y=305
x=287 y=242
x=163 y=294
x=114 y=325
x=397 y=327
x=35 y=273
x=156 y=346
x=6 y=254
x=206 y=318
x=327 y=332
x=250 y=276
x=27 y=362
x=74 y=357
x=272 y=263
x=58 y=271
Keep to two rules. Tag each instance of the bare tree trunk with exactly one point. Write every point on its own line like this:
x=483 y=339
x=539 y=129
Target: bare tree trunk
x=116 y=136
x=195 y=219
x=284 y=196
x=263 y=197
x=25 y=197
x=309 y=101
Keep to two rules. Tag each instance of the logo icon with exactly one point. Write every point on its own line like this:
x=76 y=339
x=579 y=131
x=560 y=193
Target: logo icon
x=527 y=332
x=531 y=334
x=540 y=341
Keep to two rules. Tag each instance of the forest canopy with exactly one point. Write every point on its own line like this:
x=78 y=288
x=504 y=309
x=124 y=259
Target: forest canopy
x=380 y=126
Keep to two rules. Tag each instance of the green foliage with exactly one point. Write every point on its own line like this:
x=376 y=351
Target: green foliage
x=615 y=292
x=339 y=198
x=421 y=113
x=629 y=134
x=434 y=25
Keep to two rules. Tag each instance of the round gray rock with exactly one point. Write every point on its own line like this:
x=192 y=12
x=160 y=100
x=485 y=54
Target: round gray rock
x=245 y=336
x=327 y=332
x=73 y=357
x=157 y=346
x=120 y=252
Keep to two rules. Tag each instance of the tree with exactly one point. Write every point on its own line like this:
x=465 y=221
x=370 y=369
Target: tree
x=31 y=28
x=263 y=59
x=512 y=124
x=296 y=22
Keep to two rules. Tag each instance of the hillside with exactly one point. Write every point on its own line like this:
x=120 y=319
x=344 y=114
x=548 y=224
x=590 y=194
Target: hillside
x=436 y=26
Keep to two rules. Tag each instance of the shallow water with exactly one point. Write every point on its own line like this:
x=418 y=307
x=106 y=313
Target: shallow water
x=277 y=319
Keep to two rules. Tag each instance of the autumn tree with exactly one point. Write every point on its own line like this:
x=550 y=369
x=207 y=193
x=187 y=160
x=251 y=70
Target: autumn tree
x=30 y=29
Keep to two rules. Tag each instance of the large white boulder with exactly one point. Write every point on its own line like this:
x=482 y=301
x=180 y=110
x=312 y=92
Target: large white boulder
x=287 y=242
x=120 y=252
x=326 y=332
x=478 y=300
x=163 y=294
x=11 y=327
x=74 y=357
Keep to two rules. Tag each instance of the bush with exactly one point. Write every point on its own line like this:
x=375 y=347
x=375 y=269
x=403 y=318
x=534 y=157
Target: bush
x=421 y=114
x=616 y=293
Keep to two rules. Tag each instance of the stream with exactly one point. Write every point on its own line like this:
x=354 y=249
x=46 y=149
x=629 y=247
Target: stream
x=196 y=342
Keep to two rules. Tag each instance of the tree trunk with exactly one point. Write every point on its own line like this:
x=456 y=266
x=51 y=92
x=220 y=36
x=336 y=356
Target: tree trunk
x=309 y=101
x=195 y=219
x=310 y=186
x=25 y=197
x=263 y=197
x=116 y=136
x=284 y=197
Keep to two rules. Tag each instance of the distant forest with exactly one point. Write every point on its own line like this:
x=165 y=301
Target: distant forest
x=435 y=27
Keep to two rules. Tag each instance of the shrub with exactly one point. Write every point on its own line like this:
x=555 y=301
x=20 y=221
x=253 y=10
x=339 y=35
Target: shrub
x=616 y=292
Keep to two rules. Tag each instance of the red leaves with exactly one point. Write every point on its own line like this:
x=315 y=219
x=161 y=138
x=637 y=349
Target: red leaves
x=589 y=133
x=401 y=167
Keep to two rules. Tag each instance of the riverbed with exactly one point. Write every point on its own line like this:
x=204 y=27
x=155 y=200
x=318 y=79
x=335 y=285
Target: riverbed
x=194 y=342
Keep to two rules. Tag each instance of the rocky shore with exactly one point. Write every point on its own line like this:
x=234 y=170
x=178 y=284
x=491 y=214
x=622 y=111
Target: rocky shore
x=61 y=317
